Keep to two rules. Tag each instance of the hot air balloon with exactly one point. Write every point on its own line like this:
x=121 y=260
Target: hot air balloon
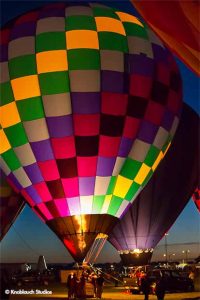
x=11 y=205
x=164 y=197
x=90 y=102
x=196 y=198
x=177 y=24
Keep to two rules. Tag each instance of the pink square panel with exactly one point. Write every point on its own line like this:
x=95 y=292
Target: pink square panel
x=42 y=207
x=140 y=86
x=27 y=197
x=108 y=146
x=87 y=166
x=131 y=127
x=64 y=147
x=86 y=125
x=43 y=191
x=62 y=207
x=114 y=104
x=154 y=113
x=49 y=170
x=71 y=187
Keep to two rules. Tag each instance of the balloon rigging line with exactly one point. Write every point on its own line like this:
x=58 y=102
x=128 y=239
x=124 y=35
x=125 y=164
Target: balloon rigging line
x=97 y=246
x=92 y=249
x=25 y=242
x=100 y=249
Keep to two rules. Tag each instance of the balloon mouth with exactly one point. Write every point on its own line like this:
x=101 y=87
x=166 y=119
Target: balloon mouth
x=135 y=257
x=79 y=232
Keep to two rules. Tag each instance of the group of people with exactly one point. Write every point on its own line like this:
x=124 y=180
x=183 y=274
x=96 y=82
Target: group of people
x=159 y=288
x=77 y=285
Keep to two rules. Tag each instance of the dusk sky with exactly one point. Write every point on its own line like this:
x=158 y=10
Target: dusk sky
x=29 y=237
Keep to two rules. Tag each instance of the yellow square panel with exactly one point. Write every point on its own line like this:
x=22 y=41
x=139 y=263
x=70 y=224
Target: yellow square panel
x=106 y=204
x=9 y=115
x=110 y=25
x=142 y=174
x=124 y=17
x=157 y=161
x=25 y=87
x=122 y=186
x=4 y=143
x=52 y=61
x=76 y=39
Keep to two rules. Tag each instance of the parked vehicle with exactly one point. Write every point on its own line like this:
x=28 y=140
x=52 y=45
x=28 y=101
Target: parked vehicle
x=174 y=280
x=131 y=284
x=33 y=277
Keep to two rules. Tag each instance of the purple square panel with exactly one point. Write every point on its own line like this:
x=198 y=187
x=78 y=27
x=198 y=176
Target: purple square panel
x=115 y=82
x=167 y=120
x=14 y=180
x=34 y=173
x=147 y=132
x=125 y=147
x=22 y=30
x=86 y=186
x=86 y=103
x=33 y=194
x=42 y=150
x=60 y=126
x=105 y=166
x=140 y=64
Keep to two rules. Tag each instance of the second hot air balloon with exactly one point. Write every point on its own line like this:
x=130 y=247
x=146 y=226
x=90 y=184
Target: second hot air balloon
x=164 y=197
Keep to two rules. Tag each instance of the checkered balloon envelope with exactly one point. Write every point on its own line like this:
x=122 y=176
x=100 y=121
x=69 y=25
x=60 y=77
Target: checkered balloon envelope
x=90 y=102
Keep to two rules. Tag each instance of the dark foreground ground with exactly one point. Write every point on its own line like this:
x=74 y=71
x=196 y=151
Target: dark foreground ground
x=60 y=292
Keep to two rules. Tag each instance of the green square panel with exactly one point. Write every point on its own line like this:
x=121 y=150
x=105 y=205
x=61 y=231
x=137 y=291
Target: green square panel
x=97 y=204
x=135 y=30
x=111 y=185
x=16 y=135
x=11 y=159
x=6 y=94
x=104 y=12
x=50 y=41
x=114 y=205
x=147 y=178
x=80 y=23
x=30 y=109
x=151 y=156
x=132 y=191
x=130 y=168
x=54 y=83
x=22 y=66
x=83 y=59
x=112 y=41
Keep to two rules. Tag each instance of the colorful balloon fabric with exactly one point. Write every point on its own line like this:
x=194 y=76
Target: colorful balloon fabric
x=164 y=197
x=11 y=205
x=90 y=102
x=196 y=198
x=177 y=24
